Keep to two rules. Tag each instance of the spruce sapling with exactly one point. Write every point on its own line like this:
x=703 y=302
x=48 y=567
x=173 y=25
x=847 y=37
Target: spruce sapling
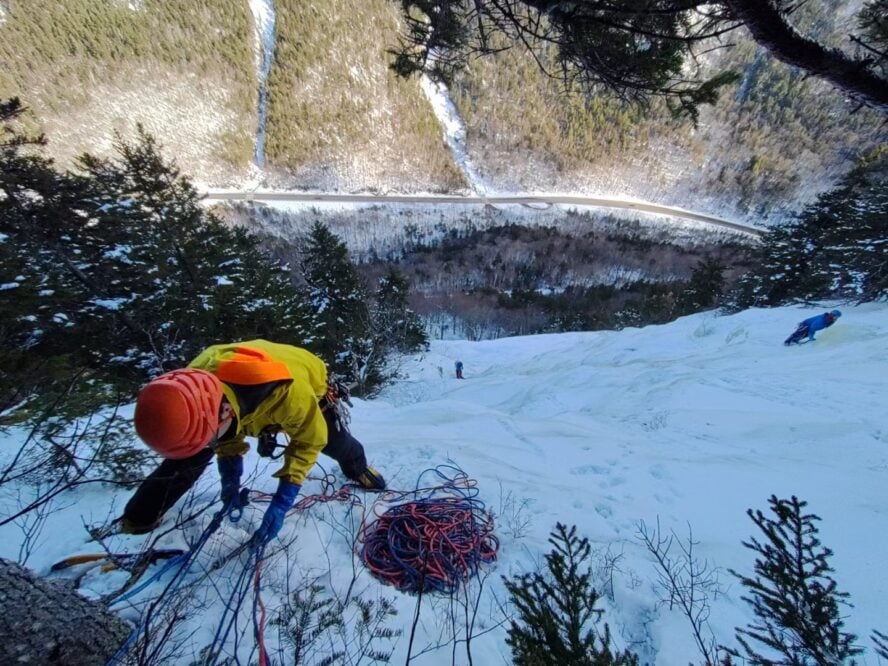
x=557 y=617
x=792 y=593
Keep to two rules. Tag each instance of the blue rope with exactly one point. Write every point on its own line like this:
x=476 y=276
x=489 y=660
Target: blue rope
x=172 y=562
x=434 y=542
x=232 y=606
x=184 y=562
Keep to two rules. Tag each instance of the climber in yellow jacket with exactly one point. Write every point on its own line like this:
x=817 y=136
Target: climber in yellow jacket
x=255 y=388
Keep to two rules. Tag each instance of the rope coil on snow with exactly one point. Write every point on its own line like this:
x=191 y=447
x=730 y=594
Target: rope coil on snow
x=435 y=542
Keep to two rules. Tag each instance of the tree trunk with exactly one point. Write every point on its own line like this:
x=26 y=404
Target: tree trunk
x=47 y=622
x=851 y=76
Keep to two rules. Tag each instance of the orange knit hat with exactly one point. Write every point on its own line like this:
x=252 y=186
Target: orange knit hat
x=177 y=414
x=248 y=366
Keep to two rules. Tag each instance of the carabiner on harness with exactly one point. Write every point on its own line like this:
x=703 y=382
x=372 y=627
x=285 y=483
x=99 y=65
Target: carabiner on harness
x=268 y=442
x=335 y=400
x=241 y=500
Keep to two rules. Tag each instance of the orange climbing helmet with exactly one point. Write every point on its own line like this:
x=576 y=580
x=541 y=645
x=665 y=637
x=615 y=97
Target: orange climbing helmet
x=177 y=414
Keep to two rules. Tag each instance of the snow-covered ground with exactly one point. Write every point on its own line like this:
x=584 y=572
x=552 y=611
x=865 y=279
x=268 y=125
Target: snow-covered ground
x=689 y=424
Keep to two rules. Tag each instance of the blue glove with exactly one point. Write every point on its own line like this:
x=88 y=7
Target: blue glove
x=234 y=498
x=273 y=520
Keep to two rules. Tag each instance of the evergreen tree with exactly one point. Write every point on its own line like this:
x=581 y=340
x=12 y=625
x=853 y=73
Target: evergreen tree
x=397 y=327
x=42 y=278
x=635 y=51
x=556 y=614
x=835 y=248
x=786 y=261
x=655 y=303
x=706 y=285
x=120 y=274
x=272 y=308
x=184 y=278
x=849 y=227
x=793 y=596
x=343 y=334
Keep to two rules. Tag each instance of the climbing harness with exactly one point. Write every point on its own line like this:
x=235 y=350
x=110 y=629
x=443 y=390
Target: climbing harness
x=337 y=397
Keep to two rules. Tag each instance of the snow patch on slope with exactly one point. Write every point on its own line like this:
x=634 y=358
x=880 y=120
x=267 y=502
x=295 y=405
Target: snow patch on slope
x=688 y=424
x=454 y=132
x=263 y=18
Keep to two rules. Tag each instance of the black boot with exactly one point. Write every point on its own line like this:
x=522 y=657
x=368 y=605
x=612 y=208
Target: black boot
x=371 y=479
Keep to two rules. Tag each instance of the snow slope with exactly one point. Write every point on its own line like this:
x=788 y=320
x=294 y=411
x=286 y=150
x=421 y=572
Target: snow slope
x=690 y=423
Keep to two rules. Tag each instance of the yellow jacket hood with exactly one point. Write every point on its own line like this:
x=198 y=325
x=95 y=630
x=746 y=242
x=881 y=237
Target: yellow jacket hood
x=292 y=406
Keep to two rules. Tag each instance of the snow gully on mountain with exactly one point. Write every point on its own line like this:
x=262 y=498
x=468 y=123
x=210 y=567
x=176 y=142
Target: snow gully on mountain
x=263 y=18
x=454 y=131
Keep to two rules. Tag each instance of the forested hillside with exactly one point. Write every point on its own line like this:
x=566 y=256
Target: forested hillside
x=480 y=272
x=775 y=139
x=340 y=120
x=182 y=68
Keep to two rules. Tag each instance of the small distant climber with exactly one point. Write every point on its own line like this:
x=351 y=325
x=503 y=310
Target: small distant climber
x=811 y=325
x=459 y=367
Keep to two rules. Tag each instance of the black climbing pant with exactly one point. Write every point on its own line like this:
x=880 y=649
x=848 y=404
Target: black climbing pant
x=797 y=336
x=173 y=478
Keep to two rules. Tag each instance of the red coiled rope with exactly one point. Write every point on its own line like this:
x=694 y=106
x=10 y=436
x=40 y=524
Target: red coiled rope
x=435 y=542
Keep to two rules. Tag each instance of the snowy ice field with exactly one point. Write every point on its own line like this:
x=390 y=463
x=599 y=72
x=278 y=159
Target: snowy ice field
x=690 y=423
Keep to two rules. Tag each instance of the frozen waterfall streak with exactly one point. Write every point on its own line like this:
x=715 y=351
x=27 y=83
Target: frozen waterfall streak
x=263 y=17
x=454 y=130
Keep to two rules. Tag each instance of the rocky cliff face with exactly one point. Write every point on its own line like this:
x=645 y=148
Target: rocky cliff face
x=47 y=622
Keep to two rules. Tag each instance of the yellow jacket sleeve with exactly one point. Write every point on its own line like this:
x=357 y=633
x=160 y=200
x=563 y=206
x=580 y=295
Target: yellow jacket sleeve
x=235 y=446
x=301 y=419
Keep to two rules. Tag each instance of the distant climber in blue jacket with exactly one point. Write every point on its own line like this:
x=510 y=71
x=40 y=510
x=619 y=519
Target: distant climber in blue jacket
x=811 y=325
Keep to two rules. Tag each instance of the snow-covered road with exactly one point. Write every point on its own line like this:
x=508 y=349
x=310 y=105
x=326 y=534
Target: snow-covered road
x=540 y=200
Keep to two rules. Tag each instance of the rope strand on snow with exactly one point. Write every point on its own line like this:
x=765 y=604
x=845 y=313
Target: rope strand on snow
x=183 y=562
x=251 y=570
x=233 y=605
x=433 y=542
x=259 y=623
